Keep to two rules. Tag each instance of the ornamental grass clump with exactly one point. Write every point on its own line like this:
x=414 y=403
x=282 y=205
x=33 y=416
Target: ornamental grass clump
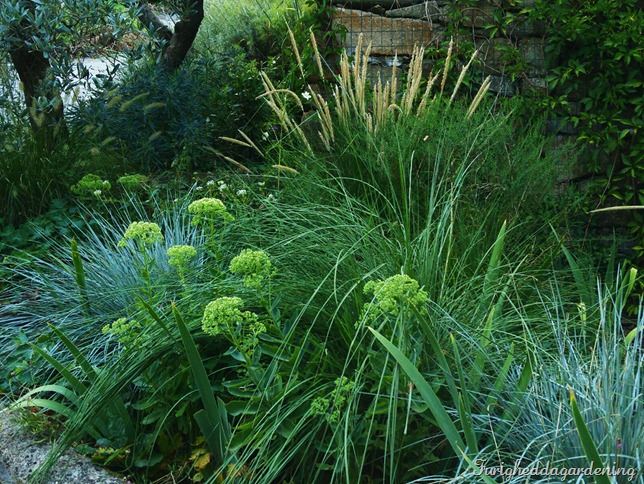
x=391 y=141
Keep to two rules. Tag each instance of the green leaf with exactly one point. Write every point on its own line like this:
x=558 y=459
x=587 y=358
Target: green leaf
x=211 y=432
x=631 y=335
x=242 y=407
x=85 y=365
x=57 y=407
x=587 y=443
x=79 y=276
x=210 y=418
x=443 y=420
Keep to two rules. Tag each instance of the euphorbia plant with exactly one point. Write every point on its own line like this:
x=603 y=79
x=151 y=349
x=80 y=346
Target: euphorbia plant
x=180 y=256
x=257 y=271
x=143 y=235
x=209 y=213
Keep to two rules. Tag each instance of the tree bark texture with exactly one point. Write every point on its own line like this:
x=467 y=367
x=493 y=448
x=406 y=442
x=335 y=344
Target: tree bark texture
x=34 y=71
x=149 y=18
x=185 y=31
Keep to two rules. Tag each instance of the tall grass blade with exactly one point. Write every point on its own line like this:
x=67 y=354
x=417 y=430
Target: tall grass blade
x=443 y=419
x=463 y=404
x=521 y=387
x=211 y=422
x=157 y=319
x=500 y=380
x=493 y=270
x=75 y=383
x=117 y=403
x=580 y=280
x=479 y=360
x=626 y=287
x=78 y=387
x=79 y=276
x=61 y=390
x=45 y=403
x=85 y=365
x=587 y=443
x=440 y=356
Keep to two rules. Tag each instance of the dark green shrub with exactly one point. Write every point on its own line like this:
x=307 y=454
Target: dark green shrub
x=39 y=233
x=173 y=120
x=32 y=174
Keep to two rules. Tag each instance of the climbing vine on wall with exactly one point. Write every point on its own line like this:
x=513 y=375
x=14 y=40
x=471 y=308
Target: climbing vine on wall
x=596 y=58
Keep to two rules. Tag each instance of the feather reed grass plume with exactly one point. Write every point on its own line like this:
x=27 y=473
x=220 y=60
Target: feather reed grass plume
x=278 y=106
x=354 y=100
x=447 y=62
x=316 y=54
x=479 y=96
x=247 y=143
x=296 y=51
x=462 y=75
x=414 y=76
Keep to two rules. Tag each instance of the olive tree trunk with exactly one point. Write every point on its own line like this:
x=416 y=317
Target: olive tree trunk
x=178 y=43
x=38 y=81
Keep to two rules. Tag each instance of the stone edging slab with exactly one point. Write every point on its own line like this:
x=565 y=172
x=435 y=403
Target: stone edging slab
x=20 y=456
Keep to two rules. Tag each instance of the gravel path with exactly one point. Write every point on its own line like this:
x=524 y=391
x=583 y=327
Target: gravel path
x=20 y=456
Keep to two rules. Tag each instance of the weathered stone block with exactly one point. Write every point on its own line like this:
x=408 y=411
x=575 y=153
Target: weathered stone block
x=502 y=85
x=532 y=84
x=477 y=16
x=533 y=51
x=482 y=14
x=517 y=4
x=377 y=72
x=560 y=126
x=423 y=11
x=388 y=36
x=522 y=28
x=569 y=169
x=369 y=4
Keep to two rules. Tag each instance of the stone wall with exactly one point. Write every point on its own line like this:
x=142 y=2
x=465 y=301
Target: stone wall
x=394 y=27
